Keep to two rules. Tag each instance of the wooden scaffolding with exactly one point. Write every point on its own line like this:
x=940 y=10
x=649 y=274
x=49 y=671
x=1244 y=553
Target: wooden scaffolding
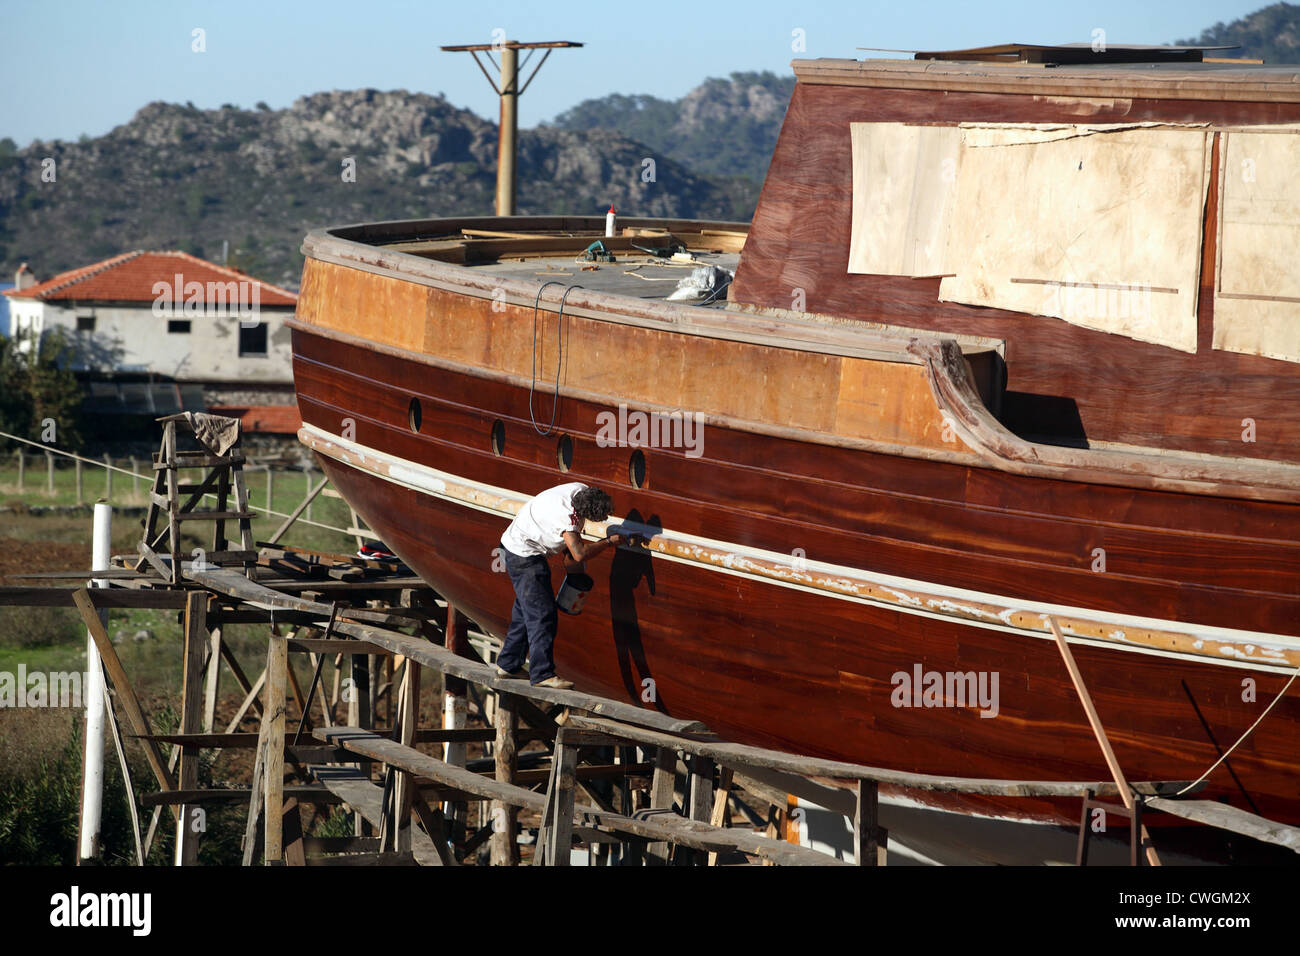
x=177 y=501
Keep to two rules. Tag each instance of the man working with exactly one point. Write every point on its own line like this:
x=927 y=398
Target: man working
x=549 y=523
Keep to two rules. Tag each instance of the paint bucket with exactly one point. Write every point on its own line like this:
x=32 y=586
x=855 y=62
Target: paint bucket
x=573 y=592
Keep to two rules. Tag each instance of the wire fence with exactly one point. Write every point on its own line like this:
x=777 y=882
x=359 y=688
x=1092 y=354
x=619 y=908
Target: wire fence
x=107 y=465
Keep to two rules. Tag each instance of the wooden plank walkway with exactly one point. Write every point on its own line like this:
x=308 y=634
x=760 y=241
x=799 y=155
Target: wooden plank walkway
x=1231 y=818
x=233 y=584
x=662 y=825
x=355 y=789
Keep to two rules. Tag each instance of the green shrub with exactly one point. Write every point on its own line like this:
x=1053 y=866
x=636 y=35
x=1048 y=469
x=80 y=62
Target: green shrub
x=40 y=807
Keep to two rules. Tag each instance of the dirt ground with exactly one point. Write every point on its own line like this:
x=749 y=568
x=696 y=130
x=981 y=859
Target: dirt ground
x=18 y=556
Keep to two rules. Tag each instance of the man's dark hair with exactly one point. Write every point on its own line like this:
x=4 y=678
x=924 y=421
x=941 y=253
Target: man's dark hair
x=592 y=504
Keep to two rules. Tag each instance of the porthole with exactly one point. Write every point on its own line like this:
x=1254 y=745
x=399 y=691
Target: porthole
x=498 y=437
x=636 y=469
x=413 y=415
x=564 y=453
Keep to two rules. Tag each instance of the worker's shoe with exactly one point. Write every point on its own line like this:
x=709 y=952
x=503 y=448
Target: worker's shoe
x=555 y=683
x=518 y=672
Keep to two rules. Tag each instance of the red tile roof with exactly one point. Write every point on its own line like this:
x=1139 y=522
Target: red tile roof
x=131 y=277
x=273 y=419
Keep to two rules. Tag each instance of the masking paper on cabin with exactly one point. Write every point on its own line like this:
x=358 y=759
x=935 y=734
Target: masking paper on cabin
x=1257 y=295
x=903 y=180
x=1052 y=132
x=1099 y=228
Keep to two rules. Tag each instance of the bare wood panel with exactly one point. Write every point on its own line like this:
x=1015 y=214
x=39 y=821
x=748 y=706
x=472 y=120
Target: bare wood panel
x=1062 y=380
x=800 y=389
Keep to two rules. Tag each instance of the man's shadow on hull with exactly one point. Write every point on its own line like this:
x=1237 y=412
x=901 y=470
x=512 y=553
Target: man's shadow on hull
x=627 y=570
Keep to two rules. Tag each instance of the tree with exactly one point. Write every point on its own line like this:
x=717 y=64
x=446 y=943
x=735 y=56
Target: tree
x=15 y=403
x=36 y=387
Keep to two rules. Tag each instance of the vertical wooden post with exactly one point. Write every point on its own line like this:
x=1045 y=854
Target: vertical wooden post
x=359 y=706
x=559 y=828
x=870 y=842
x=223 y=499
x=455 y=710
x=241 y=503
x=721 y=816
x=270 y=490
x=387 y=676
x=273 y=714
x=662 y=785
x=700 y=805
x=409 y=716
x=1081 y=849
x=173 y=502
x=108 y=477
x=76 y=468
x=291 y=826
x=22 y=469
x=255 y=797
x=373 y=674
x=359 y=715
x=505 y=849
x=49 y=472
x=196 y=645
x=318 y=661
x=356 y=523
x=775 y=827
x=212 y=683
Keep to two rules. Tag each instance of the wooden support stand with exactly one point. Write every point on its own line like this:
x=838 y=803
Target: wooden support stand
x=505 y=848
x=224 y=479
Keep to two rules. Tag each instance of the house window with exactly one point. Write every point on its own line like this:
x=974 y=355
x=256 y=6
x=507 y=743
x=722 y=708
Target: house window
x=252 y=341
x=178 y=326
x=85 y=323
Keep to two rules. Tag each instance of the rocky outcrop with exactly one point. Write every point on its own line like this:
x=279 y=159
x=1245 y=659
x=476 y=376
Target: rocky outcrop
x=178 y=177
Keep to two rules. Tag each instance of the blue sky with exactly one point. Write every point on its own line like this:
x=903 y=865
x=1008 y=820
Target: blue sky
x=84 y=67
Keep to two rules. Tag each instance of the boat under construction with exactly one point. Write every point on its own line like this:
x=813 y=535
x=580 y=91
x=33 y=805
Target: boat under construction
x=1007 y=363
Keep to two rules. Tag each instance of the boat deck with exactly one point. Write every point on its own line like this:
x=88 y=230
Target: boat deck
x=639 y=277
x=559 y=250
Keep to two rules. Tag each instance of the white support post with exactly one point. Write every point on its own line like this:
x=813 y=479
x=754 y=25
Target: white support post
x=92 y=781
x=455 y=716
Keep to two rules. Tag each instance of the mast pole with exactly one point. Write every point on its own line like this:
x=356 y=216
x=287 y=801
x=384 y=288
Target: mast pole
x=509 y=131
x=508 y=87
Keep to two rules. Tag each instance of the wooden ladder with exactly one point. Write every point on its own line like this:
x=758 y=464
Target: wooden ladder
x=224 y=479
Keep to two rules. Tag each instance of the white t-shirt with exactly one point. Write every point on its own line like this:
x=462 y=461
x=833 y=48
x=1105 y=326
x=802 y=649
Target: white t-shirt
x=541 y=523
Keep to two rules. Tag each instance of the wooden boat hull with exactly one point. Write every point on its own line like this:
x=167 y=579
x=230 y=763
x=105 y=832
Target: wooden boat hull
x=776 y=663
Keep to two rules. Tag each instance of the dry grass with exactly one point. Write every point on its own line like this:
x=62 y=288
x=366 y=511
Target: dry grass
x=27 y=735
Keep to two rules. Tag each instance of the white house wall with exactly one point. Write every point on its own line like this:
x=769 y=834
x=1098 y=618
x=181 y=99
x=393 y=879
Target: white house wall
x=133 y=339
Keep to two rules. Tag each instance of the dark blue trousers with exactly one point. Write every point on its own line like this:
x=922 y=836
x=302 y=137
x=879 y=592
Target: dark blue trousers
x=533 y=619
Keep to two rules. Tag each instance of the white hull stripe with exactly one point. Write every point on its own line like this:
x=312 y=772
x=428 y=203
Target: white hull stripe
x=1219 y=645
